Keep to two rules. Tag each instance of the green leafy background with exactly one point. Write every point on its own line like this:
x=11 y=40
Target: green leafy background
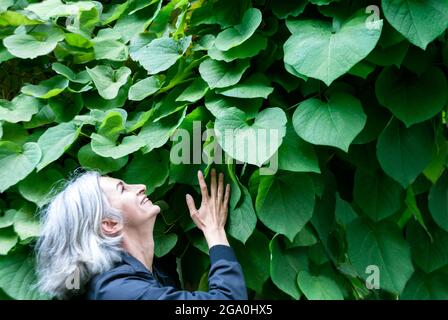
x=360 y=104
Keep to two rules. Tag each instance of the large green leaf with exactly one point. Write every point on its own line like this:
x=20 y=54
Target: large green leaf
x=318 y=287
x=111 y=50
x=155 y=134
x=195 y=91
x=256 y=86
x=419 y=21
x=428 y=254
x=160 y=54
x=8 y=218
x=247 y=49
x=17 y=162
x=37 y=185
x=285 y=265
x=150 y=169
x=108 y=80
x=218 y=105
x=40 y=42
x=404 y=153
x=335 y=123
x=17 y=276
x=438 y=201
x=285 y=202
x=55 y=141
x=376 y=194
x=254 y=143
x=219 y=74
x=56 y=8
x=284 y=9
x=21 y=108
x=383 y=246
x=144 y=88
x=344 y=212
x=421 y=286
x=254 y=259
x=295 y=154
x=401 y=92
x=163 y=241
x=26 y=223
x=13 y=18
x=47 y=88
x=89 y=159
x=236 y=35
x=242 y=218
x=8 y=239
x=63 y=70
x=317 y=51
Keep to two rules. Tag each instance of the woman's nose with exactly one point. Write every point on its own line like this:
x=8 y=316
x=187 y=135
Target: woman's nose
x=141 y=188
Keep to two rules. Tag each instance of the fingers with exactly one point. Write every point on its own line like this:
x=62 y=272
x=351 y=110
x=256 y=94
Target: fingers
x=227 y=197
x=213 y=185
x=203 y=186
x=220 y=188
x=190 y=204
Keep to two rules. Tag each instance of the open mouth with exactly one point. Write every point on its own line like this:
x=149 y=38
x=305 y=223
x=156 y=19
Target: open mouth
x=145 y=200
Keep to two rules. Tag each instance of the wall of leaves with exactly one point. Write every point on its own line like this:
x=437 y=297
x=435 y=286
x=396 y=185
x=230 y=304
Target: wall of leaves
x=357 y=90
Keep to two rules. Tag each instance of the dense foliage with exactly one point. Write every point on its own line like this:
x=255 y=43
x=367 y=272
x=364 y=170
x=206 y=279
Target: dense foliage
x=356 y=89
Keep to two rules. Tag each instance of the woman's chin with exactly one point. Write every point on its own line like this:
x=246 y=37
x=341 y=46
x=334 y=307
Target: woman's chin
x=156 y=208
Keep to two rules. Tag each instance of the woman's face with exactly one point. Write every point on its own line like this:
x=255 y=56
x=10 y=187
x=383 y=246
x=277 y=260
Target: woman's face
x=130 y=199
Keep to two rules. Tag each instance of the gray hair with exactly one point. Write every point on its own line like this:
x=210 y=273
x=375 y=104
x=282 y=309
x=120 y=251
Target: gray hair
x=71 y=242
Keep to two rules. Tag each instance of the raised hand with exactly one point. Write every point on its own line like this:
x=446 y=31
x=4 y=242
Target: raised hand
x=211 y=216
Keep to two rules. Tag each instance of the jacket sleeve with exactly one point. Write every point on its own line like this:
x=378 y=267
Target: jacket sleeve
x=226 y=282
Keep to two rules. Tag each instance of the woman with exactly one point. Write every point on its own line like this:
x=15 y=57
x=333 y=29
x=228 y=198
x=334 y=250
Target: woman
x=97 y=241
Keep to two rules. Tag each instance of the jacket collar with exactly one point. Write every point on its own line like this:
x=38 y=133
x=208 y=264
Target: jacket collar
x=135 y=263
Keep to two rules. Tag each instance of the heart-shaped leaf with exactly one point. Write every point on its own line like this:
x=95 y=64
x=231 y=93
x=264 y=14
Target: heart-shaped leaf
x=55 y=141
x=17 y=162
x=438 y=201
x=26 y=46
x=107 y=80
x=21 y=108
x=317 y=51
x=377 y=195
x=256 y=86
x=219 y=74
x=420 y=22
x=318 y=287
x=401 y=94
x=428 y=254
x=383 y=246
x=285 y=202
x=404 y=153
x=285 y=265
x=47 y=88
x=236 y=35
x=335 y=123
x=17 y=276
x=252 y=143
x=161 y=53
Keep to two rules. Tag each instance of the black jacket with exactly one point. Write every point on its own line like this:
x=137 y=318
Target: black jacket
x=131 y=280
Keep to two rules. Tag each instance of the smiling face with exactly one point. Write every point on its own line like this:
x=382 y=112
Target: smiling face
x=130 y=199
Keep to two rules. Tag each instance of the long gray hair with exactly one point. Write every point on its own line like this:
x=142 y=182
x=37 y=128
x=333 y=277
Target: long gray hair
x=71 y=242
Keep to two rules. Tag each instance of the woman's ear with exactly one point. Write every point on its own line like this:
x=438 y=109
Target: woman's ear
x=110 y=226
